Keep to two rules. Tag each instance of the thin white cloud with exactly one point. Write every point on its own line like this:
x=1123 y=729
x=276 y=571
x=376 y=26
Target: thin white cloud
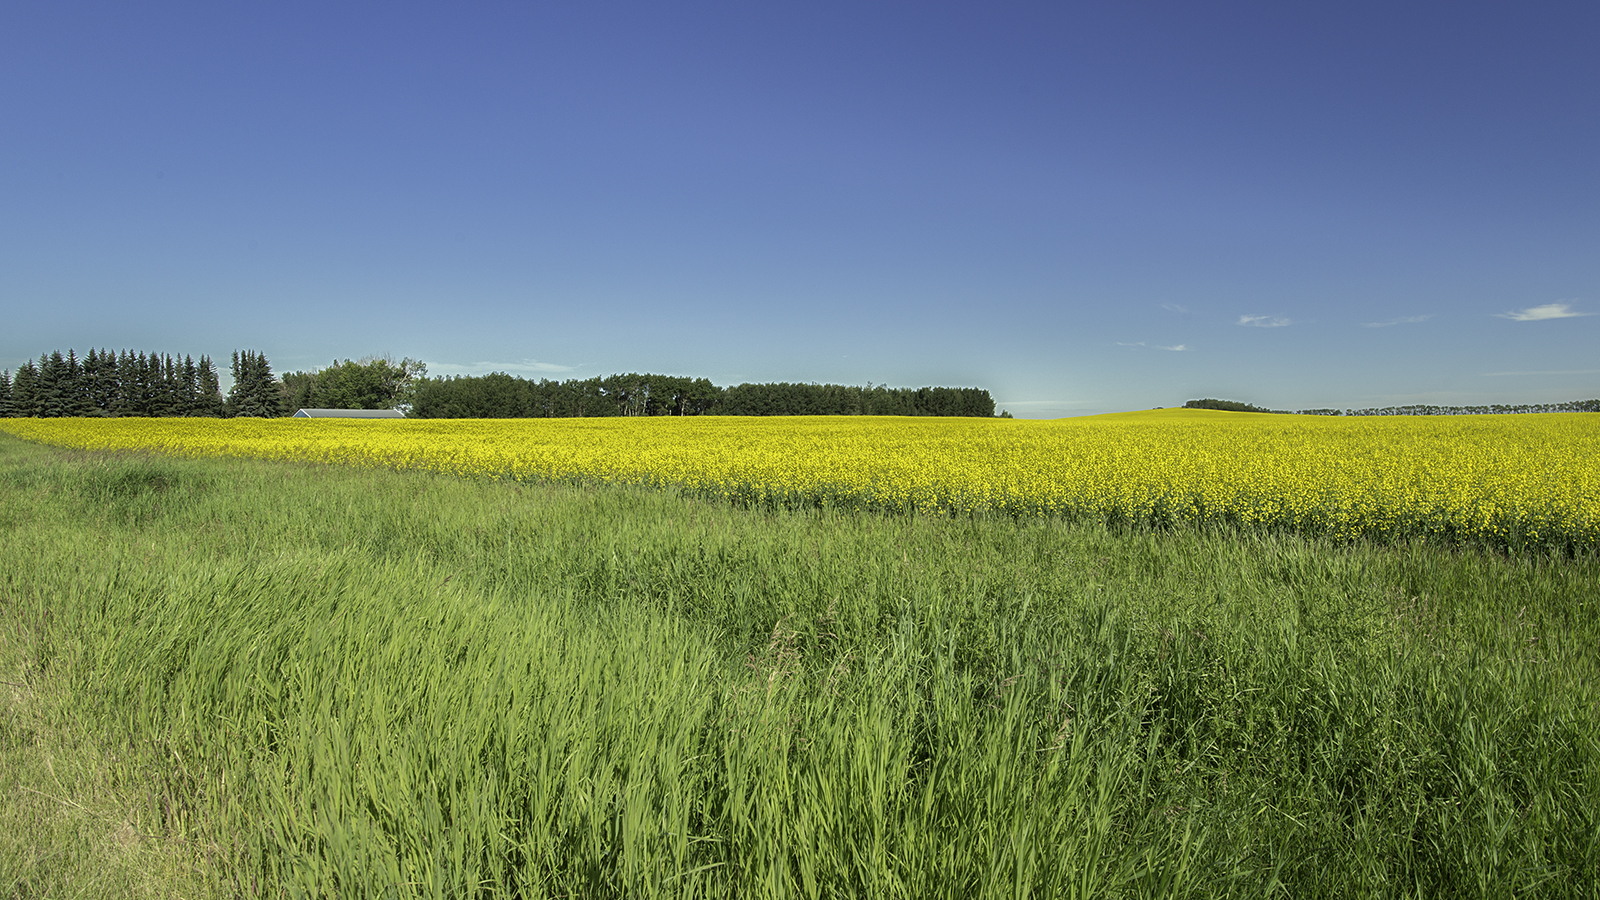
x=526 y=367
x=1175 y=307
x=1263 y=321
x=1403 y=320
x=1050 y=409
x=1075 y=404
x=1549 y=372
x=1540 y=313
x=1151 y=346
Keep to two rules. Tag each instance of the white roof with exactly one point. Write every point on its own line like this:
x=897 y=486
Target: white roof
x=349 y=414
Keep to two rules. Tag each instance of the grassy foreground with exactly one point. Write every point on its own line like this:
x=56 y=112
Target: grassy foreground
x=240 y=678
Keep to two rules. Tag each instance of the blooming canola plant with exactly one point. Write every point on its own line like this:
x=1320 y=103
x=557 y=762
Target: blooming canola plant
x=1513 y=481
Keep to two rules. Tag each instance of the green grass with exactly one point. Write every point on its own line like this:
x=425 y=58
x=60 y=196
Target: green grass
x=303 y=681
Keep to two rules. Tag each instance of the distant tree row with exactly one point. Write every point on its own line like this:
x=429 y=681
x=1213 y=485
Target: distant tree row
x=140 y=384
x=1419 y=410
x=104 y=383
x=499 y=395
x=373 y=383
x=786 y=399
x=1493 y=410
x=1226 y=405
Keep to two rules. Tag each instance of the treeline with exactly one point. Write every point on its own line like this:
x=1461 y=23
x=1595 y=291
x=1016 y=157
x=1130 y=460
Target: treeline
x=1417 y=410
x=104 y=383
x=1227 y=405
x=151 y=384
x=843 y=400
x=374 y=383
x=1493 y=410
x=499 y=395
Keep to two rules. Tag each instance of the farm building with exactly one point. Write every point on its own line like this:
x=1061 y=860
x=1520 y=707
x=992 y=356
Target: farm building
x=349 y=414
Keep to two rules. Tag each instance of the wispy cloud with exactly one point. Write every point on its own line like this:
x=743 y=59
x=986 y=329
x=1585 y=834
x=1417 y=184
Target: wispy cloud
x=1263 y=321
x=1049 y=409
x=1540 y=313
x=1175 y=307
x=1548 y=372
x=1403 y=320
x=1034 y=404
x=526 y=367
x=1178 y=347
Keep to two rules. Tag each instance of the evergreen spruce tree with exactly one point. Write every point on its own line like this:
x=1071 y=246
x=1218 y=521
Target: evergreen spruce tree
x=128 y=384
x=23 y=388
x=92 y=382
x=188 y=388
x=126 y=375
x=166 y=384
x=155 y=392
x=77 y=392
x=105 y=383
x=145 y=385
x=172 y=385
x=5 y=394
x=241 y=389
x=135 y=398
x=255 y=392
x=209 y=401
x=50 y=391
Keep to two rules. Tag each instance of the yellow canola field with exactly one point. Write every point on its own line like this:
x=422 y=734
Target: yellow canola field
x=1523 y=480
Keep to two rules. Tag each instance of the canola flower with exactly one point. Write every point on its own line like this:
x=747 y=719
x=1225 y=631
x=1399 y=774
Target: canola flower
x=1514 y=481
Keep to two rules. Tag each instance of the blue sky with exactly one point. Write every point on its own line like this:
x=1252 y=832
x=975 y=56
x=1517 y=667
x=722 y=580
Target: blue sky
x=1082 y=207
